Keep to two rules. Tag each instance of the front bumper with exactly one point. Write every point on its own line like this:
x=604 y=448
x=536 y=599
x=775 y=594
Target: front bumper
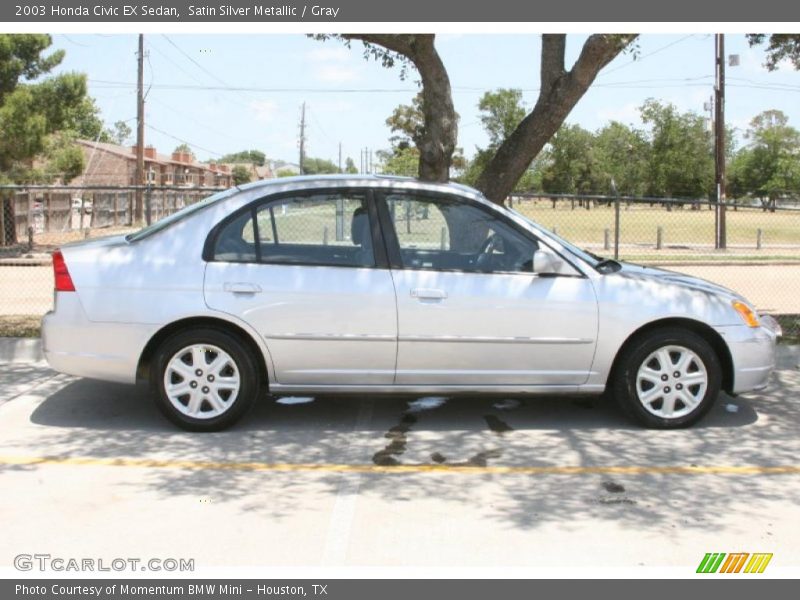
x=753 y=355
x=75 y=345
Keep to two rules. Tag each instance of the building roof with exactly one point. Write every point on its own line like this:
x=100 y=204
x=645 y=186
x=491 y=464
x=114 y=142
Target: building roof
x=128 y=152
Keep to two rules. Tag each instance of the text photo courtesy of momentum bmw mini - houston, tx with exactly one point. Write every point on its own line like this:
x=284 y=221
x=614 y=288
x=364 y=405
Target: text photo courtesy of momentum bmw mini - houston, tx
x=281 y=304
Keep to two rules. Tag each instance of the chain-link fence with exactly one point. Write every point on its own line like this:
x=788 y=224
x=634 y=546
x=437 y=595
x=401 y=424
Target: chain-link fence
x=750 y=248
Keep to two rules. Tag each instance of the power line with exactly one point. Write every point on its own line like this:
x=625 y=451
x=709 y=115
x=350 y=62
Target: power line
x=649 y=54
x=177 y=139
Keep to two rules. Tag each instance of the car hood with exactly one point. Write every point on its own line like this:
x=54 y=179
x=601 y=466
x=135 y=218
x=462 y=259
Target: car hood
x=674 y=278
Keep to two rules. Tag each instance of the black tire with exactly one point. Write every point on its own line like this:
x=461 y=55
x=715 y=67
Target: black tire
x=244 y=365
x=626 y=387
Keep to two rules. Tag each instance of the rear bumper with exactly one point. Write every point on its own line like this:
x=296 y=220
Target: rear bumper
x=753 y=353
x=75 y=345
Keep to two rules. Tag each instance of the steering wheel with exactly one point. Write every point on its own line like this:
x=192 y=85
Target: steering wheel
x=489 y=244
x=484 y=256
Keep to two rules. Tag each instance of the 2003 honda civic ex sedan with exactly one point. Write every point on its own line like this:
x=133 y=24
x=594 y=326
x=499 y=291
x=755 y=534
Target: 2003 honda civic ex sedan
x=386 y=285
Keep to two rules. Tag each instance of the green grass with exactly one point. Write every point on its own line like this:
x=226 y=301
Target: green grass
x=638 y=225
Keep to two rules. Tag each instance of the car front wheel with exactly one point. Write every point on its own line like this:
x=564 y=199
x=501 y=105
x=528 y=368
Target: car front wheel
x=668 y=379
x=204 y=379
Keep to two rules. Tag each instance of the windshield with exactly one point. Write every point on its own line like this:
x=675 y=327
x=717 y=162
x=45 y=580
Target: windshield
x=584 y=255
x=178 y=216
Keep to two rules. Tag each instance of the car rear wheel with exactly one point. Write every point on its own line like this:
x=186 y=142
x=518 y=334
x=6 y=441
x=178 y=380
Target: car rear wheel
x=204 y=379
x=668 y=379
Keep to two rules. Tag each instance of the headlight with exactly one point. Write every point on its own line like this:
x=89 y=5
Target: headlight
x=748 y=314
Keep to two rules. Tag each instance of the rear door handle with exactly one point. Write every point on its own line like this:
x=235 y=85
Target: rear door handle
x=428 y=294
x=242 y=288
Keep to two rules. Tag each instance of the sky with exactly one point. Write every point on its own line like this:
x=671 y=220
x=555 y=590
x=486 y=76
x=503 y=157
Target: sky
x=190 y=99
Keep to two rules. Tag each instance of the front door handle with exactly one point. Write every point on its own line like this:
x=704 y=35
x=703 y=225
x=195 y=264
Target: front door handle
x=241 y=288
x=428 y=294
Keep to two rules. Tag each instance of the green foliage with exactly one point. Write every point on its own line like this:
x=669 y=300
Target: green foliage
x=780 y=46
x=241 y=174
x=252 y=157
x=572 y=166
x=502 y=110
x=407 y=123
x=350 y=166
x=770 y=163
x=184 y=148
x=43 y=118
x=120 y=133
x=681 y=153
x=316 y=166
x=65 y=159
x=21 y=58
x=401 y=161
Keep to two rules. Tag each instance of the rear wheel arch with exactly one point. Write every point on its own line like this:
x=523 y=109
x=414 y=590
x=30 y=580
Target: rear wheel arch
x=150 y=349
x=714 y=339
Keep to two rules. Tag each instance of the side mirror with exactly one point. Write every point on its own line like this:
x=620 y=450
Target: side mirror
x=547 y=262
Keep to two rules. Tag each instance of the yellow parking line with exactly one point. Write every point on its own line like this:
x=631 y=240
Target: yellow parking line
x=407 y=468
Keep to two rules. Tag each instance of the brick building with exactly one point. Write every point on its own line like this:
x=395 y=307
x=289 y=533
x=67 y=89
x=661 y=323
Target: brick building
x=110 y=164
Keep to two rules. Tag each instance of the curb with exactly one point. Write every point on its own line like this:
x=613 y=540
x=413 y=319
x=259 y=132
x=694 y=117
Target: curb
x=20 y=350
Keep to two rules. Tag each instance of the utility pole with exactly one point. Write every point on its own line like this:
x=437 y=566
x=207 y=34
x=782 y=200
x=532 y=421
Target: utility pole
x=719 y=139
x=302 y=138
x=340 y=157
x=138 y=211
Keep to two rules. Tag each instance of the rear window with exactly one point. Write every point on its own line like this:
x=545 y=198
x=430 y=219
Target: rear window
x=166 y=222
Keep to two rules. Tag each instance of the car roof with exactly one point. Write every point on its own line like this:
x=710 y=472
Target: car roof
x=357 y=180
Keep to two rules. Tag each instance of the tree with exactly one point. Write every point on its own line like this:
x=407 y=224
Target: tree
x=681 y=159
x=501 y=111
x=21 y=58
x=350 y=166
x=241 y=174
x=560 y=90
x=401 y=161
x=622 y=154
x=120 y=133
x=571 y=167
x=184 y=147
x=769 y=165
x=316 y=166
x=780 y=46
x=251 y=157
x=437 y=141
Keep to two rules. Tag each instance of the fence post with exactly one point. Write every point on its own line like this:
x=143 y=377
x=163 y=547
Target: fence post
x=48 y=213
x=443 y=239
x=83 y=210
x=555 y=230
x=606 y=239
x=2 y=219
x=659 y=237
x=408 y=216
x=616 y=218
x=325 y=236
x=759 y=239
x=148 y=198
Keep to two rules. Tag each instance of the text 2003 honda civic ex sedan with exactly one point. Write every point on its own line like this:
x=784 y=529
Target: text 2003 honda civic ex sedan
x=387 y=285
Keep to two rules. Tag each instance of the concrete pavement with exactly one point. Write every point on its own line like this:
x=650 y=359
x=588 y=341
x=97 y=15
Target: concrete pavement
x=92 y=469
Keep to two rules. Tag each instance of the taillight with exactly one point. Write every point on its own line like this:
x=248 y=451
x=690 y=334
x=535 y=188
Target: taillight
x=63 y=279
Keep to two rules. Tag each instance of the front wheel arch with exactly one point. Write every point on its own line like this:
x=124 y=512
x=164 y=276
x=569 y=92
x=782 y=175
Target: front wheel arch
x=711 y=336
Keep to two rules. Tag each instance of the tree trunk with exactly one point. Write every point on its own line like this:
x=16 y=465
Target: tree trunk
x=559 y=93
x=441 y=126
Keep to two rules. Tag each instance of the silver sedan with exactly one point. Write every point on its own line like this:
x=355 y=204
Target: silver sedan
x=387 y=285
